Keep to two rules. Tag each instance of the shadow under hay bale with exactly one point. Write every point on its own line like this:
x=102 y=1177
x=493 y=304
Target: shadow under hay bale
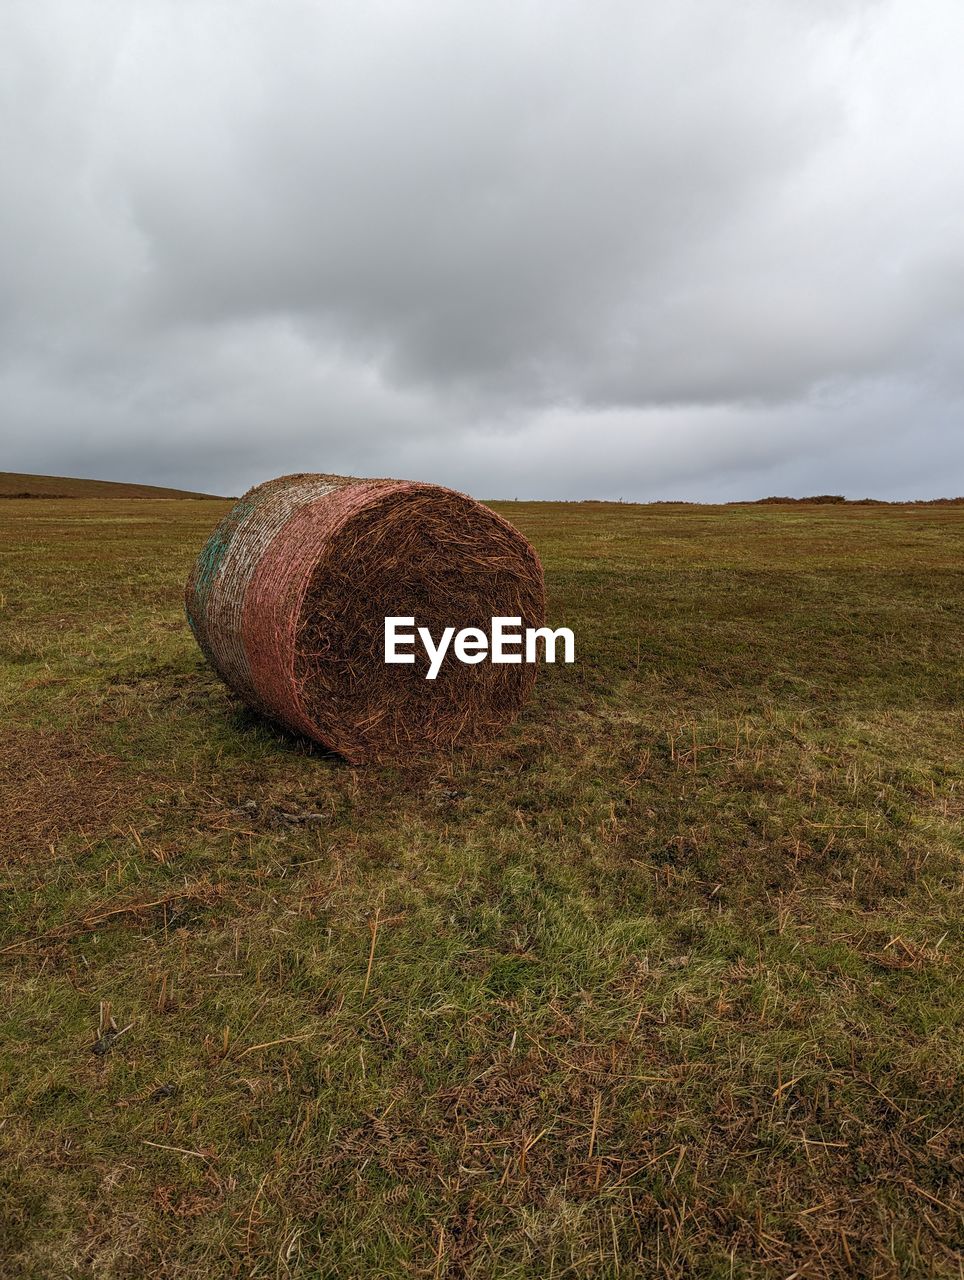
x=289 y=596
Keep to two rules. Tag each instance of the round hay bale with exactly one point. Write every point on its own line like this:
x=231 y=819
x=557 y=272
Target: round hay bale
x=289 y=596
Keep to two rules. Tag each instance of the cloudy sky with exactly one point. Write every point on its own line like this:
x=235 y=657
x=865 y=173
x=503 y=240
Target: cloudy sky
x=573 y=248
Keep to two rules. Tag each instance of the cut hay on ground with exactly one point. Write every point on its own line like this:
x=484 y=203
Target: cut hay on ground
x=288 y=601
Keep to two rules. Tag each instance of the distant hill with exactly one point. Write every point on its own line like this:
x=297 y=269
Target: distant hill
x=13 y=485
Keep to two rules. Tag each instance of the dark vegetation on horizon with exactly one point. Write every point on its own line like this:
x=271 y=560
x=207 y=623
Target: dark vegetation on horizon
x=14 y=485
x=825 y=498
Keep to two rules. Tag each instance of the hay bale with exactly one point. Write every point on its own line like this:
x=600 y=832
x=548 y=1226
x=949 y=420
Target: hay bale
x=289 y=596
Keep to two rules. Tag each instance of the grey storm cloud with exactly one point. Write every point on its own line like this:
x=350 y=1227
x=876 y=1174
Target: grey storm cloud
x=574 y=249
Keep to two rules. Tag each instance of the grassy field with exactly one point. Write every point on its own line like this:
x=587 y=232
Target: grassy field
x=665 y=984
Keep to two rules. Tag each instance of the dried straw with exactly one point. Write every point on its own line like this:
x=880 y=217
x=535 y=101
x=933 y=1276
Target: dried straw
x=289 y=596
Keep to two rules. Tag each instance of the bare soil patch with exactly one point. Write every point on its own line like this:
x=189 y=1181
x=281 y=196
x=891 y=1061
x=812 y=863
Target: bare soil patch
x=53 y=785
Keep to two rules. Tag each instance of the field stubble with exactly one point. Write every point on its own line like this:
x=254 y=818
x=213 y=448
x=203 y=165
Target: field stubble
x=665 y=983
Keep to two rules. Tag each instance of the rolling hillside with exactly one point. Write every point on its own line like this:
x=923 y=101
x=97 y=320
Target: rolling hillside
x=14 y=485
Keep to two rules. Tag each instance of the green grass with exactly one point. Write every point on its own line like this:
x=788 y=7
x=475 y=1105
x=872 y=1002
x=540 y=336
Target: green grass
x=667 y=983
